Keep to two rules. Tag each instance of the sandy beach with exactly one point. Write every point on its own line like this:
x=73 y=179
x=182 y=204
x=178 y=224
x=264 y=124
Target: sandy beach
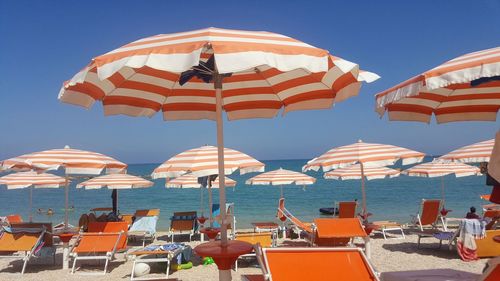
x=387 y=255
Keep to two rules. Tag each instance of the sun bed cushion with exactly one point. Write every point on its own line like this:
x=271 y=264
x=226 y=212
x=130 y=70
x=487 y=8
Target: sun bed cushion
x=319 y=264
x=13 y=242
x=92 y=242
x=429 y=275
x=113 y=227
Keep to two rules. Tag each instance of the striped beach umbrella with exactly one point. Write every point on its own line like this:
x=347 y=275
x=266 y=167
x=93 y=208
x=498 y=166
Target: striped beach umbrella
x=198 y=74
x=203 y=161
x=353 y=172
x=466 y=88
x=367 y=155
x=474 y=153
x=32 y=180
x=115 y=182
x=281 y=177
x=73 y=161
x=437 y=168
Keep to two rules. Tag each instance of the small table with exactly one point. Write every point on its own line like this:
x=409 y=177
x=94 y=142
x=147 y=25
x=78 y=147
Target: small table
x=142 y=256
x=225 y=256
x=65 y=238
x=265 y=226
x=211 y=232
x=496 y=238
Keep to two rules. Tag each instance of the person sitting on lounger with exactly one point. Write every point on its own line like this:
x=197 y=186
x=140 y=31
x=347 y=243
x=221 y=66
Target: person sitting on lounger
x=472 y=214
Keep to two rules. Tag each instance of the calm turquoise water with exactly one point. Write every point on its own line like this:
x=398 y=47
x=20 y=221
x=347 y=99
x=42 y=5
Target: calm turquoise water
x=391 y=199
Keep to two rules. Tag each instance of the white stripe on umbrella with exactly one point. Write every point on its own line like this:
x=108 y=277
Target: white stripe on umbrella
x=451 y=91
x=73 y=161
x=202 y=161
x=191 y=181
x=354 y=173
x=32 y=180
x=474 y=153
x=281 y=177
x=366 y=154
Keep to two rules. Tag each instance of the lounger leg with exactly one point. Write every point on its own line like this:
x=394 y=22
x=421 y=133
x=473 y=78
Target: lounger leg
x=168 y=268
x=26 y=258
x=383 y=233
x=105 y=266
x=445 y=226
x=403 y=233
x=133 y=270
x=368 y=248
x=74 y=265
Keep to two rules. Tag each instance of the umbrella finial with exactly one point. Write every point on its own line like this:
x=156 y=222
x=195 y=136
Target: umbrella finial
x=360 y=140
x=66 y=147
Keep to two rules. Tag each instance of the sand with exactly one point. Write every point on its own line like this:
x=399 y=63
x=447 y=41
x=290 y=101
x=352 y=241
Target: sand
x=387 y=255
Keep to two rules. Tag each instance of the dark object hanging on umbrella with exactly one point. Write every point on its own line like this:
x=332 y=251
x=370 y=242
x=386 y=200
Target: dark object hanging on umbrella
x=483 y=80
x=204 y=71
x=206 y=179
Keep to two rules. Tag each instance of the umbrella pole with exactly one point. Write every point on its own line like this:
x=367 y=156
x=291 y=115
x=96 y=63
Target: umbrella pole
x=31 y=204
x=442 y=189
x=201 y=200
x=114 y=198
x=66 y=202
x=210 y=202
x=363 y=192
x=226 y=273
x=281 y=187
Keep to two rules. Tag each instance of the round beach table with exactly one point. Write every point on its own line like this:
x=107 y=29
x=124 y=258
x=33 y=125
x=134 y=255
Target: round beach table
x=225 y=256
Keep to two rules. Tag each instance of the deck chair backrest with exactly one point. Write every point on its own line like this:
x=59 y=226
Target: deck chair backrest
x=48 y=238
x=183 y=221
x=320 y=264
x=147 y=213
x=281 y=206
x=340 y=231
x=98 y=242
x=111 y=227
x=284 y=213
x=347 y=209
x=14 y=242
x=262 y=238
x=429 y=212
x=14 y=218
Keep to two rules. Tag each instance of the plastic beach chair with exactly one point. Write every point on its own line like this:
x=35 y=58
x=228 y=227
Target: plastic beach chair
x=27 y=241
x=302 y=227
x=96 y=246
x=264 y=239
x=491 y=273
x=347 y=209
x=181 y=223
x=429 y=213
x=144 y=225
x=319 y=264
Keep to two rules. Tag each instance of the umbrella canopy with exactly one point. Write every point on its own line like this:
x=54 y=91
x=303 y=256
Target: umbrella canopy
x=466 y=88
x=354 y=173
x=73 y=161
x=259 y=73
x=262 y=73
x=437 y=168
x=115 y=182
x=203 y=161
x=367 y=155
x=34 y=180
x=191 y=181
x=474 y=153
x=281 y=177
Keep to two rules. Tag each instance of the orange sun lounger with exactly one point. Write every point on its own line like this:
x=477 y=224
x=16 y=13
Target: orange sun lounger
x=284 y=214
x=347 y=209
x=96 y=246
x=264 y=239
x=429 y=213
x=25 y=242
x=319 y=264
x=181 y=223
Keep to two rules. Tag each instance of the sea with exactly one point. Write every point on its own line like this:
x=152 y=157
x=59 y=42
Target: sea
x=387 y=199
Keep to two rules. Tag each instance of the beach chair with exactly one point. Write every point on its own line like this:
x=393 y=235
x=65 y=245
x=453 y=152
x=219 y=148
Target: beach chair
x=14 y=218
x=28 y=241
x=319 y=264
x=264 y=239
x=111 y=227
x=182 y=223
x=47 y=249
x=144 y=225
x=229 y=216
x=386 y=226
x=347 y=209
x=429 y=214
x=300 y=227
x=491 y=273
x=96 y=246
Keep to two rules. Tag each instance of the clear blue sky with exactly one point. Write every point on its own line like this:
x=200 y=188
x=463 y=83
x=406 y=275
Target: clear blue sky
x=46 y=42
